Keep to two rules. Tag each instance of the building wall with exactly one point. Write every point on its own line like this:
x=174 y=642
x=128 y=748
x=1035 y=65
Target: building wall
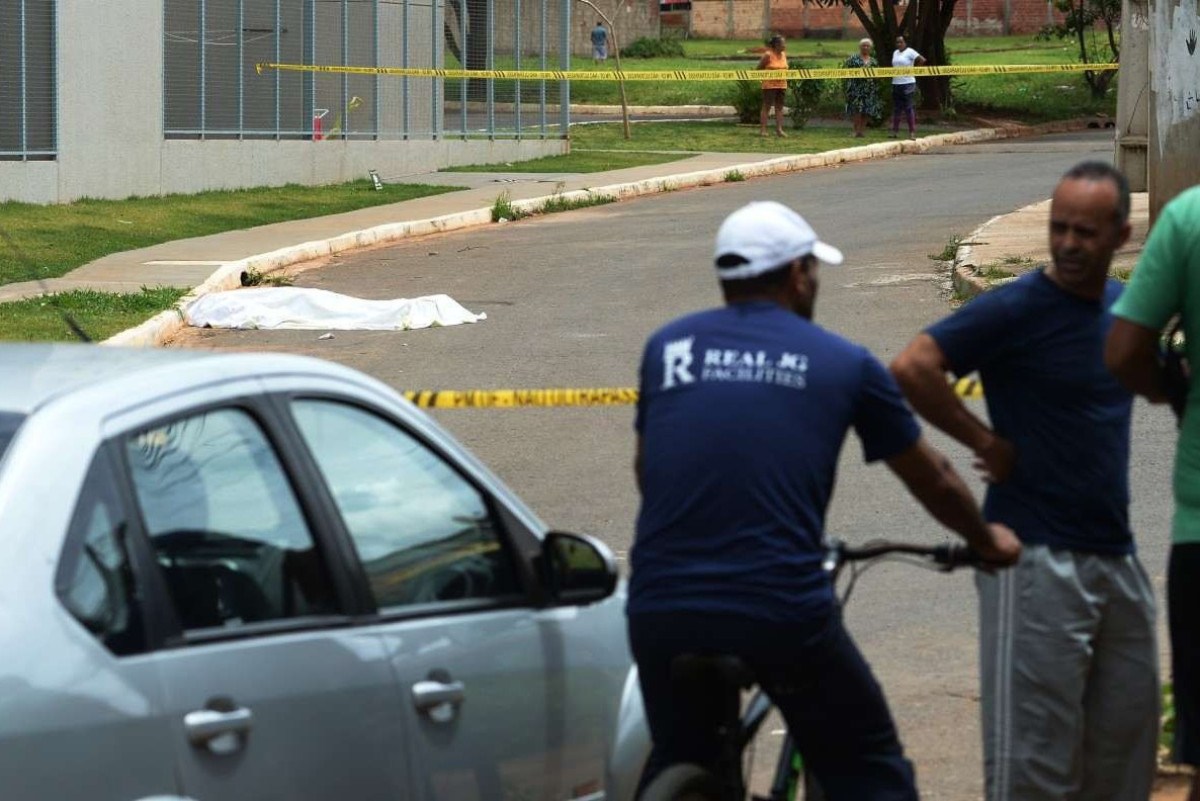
x=192 y=166
x=110 y=123
x=994 y=17
x=110 y=98
x=633 y=19
x=743 y=19
x=30 y=181
x=801 y=19
x=729 y=19
x=1174 y=159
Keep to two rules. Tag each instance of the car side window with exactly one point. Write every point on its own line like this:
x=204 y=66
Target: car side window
x=225 y=524
x=94 y=578
x=423 y=532
x=9 y=424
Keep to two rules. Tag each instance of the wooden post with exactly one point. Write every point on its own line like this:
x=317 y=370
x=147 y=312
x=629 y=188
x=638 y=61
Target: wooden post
x=612 y=32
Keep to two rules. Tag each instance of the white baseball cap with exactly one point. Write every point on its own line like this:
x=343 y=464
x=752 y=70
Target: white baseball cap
x=764 y=236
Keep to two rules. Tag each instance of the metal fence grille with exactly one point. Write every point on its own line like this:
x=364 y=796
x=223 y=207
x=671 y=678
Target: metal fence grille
x=28 y=105
x=212 y=89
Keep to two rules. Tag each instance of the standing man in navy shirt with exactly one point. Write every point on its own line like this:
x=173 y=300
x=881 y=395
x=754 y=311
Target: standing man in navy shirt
x=1067 y=656
x=742 y=414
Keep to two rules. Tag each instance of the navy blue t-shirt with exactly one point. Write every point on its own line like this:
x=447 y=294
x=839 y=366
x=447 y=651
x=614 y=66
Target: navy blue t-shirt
x=742 y=414
x=1039 y=351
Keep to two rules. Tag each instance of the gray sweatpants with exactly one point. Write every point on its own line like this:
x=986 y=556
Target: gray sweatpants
x=1070 y=678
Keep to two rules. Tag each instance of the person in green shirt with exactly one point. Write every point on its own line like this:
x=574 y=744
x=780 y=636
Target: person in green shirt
x=1167 y=283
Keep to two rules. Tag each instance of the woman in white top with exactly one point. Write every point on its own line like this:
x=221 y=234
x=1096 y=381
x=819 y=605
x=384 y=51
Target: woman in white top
x=904 y=87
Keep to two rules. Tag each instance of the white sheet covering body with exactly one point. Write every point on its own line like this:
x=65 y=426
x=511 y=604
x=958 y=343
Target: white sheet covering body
x=319 y=309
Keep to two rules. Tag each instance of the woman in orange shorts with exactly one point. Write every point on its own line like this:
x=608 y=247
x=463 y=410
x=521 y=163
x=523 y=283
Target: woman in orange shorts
x=773 y=91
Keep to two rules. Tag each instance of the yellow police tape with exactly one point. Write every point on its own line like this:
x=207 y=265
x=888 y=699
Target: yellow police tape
x=600 y=396
x=690 y=75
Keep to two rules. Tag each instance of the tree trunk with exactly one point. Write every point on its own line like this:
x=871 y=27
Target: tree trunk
x=476 y=46
x=929 y=38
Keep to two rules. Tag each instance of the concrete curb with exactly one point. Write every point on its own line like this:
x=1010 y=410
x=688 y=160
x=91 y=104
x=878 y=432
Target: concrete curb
x=582 y=109
x=962 y=272
x=657 y=111
x=962 y=269
x=163 y=326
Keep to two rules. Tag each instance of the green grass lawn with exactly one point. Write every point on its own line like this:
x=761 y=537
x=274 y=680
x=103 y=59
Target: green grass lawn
x=99 y=314
x=59 y=238
x=722 y=137
x=833 y=48
x=576 y=161
x=1036 y=97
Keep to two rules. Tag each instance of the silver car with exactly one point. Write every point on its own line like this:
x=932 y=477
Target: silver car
x=261 y=577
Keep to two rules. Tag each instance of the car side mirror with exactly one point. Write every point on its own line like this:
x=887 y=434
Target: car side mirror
x=577 y=569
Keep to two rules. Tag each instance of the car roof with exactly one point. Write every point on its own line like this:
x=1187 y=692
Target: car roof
x=33 y=374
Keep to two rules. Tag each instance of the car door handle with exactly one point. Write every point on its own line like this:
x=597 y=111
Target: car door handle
x=205 y=725
x=428 y=695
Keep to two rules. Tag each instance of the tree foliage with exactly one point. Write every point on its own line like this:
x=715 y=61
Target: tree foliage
x=922 y=23
x=1093 y=25
x=644 y=47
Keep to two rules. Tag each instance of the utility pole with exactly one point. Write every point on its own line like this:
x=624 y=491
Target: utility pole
x=1133 y=94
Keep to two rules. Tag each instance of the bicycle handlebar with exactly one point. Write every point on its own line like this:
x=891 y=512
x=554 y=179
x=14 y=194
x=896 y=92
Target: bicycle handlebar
x=947 y=556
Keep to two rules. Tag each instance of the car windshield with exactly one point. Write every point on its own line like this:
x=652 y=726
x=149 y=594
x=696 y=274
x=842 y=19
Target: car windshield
x=9 y=423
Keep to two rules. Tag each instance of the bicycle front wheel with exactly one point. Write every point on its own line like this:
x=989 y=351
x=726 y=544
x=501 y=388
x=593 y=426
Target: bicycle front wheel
x=684 y=783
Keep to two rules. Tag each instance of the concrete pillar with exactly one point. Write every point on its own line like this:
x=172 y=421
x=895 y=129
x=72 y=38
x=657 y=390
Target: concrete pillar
x=1174 y=159
x=1133 y=94
x=110 y=101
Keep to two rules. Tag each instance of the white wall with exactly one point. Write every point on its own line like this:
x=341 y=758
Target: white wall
x=109 y=97
x=30 y=181
x=1133 y=95
x=1174 y=100
x=191 y=166
x=110 y=122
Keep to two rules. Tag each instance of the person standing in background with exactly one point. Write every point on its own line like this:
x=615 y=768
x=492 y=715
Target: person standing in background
x=862 y=95
x=904 y=88
x=773 y=91
x=599 y=43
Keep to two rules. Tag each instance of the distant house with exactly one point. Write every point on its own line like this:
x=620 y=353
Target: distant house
x=744 y=19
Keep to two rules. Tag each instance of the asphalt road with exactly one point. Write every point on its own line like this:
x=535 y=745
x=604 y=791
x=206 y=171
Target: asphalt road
x=571 y=297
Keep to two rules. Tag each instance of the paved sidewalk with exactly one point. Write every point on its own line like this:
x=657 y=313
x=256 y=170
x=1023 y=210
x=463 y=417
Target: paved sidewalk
x=215 y=262
x=189 y=262
x=1018 y=242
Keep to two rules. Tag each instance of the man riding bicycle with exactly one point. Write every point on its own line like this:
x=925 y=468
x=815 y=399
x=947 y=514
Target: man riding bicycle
x=742 y=413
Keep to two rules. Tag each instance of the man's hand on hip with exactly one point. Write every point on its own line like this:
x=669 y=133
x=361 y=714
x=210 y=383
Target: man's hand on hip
x=994 y=459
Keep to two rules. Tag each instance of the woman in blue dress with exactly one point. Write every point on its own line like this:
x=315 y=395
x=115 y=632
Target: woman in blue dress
x=862 y=95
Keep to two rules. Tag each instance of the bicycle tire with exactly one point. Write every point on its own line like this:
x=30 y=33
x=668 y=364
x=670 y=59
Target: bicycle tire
x=684 y=782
